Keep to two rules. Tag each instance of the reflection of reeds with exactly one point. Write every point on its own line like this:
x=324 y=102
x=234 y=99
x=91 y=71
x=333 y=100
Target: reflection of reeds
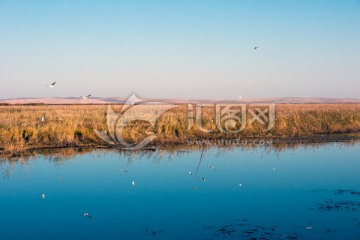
x=21 y=127
x=59 y=156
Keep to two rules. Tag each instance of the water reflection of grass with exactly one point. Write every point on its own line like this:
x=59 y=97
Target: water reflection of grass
x=29 y=127
x=60 y=155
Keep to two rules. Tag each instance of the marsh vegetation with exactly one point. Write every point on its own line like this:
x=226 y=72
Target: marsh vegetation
x=31 y=127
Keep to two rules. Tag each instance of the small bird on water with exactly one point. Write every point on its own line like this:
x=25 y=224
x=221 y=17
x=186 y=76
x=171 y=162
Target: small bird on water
x=43 y=196
x=87 y=215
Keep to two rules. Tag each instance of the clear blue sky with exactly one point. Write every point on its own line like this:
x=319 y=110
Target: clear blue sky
x=186 y=49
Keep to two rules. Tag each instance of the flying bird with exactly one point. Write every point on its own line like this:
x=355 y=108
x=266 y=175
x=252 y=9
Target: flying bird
x=257 y=47
x=86 y=97
x=52 y=85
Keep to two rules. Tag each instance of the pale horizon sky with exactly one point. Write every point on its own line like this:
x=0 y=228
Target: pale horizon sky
x=180 y=49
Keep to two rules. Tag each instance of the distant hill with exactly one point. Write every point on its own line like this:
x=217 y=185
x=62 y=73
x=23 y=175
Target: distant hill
x=120 y=100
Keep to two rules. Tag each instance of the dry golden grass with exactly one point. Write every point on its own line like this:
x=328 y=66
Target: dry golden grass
x=21 y=127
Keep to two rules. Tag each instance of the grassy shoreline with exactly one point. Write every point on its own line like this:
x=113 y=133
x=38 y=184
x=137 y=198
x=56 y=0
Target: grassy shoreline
x=35 y=127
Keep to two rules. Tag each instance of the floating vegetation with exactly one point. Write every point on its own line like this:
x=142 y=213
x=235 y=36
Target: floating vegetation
x=345 y=191
x=152 y=232
x=339 y=206
x=348 y=202
x=243 y=229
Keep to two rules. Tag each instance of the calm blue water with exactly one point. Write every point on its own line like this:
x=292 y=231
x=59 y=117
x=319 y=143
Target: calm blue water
x=303 y=193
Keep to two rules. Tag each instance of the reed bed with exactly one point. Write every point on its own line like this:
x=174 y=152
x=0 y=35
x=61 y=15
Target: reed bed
x=48 y=126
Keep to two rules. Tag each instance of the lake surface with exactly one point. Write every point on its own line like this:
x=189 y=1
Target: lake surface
x=303 y=192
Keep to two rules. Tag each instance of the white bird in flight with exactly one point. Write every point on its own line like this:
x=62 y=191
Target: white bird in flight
x=257 y=47
x=52 y=85
x=86 y=97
